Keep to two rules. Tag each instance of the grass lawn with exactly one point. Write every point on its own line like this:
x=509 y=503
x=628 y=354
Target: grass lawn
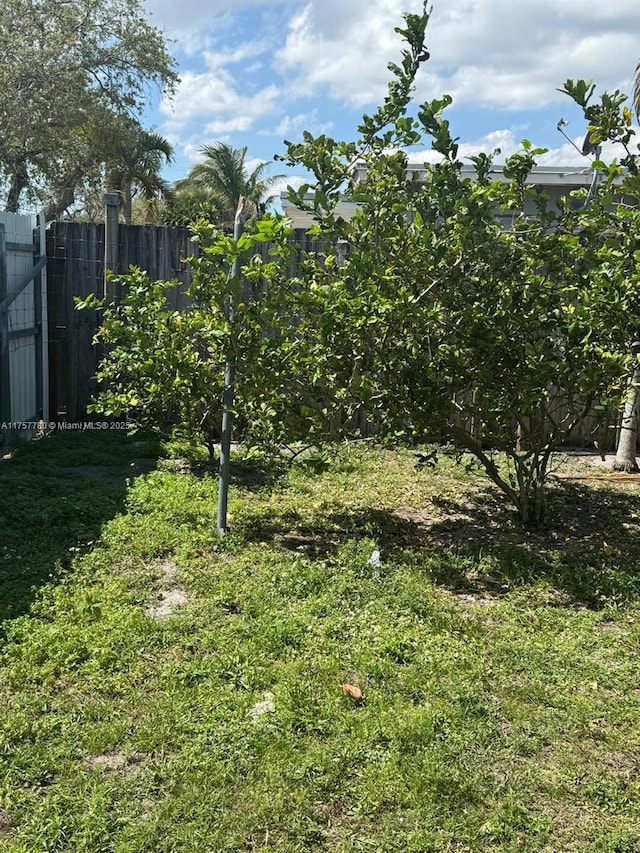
x=164 y=690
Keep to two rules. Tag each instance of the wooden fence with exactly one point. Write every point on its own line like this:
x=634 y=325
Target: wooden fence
x=75 y=268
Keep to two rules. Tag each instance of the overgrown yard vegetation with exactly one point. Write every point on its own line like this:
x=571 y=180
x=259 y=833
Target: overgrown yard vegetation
x=448 y=308
x=170 y=690
x=380 y=655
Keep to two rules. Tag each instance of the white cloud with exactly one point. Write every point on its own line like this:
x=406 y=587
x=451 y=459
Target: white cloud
x=230 y=125
x=497 y=53
x=567 y=155
x=252 y=163
x=504 y=140
x=293 y=181
x=191 y=151
x=190 y=21
x=273 y=68
x=342 y=47
x=213 y=95
x=240 y=53
x=509 y=143
x=292 y=126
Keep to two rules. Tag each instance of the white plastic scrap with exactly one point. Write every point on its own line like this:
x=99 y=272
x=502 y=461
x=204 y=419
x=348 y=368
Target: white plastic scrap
x=374 y=559
x=266 y=706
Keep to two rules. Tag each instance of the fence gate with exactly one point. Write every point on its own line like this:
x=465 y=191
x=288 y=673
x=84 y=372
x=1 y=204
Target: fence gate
x=24 y=371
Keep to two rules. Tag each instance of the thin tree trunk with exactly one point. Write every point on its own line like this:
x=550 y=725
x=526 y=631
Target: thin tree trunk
x=626 y=451
x=19 y=182
x=127 y=204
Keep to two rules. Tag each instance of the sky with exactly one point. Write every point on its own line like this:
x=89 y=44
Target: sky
x=261 y=71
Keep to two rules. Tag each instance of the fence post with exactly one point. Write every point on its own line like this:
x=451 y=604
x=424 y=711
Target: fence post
x=111 y=210
x=42 y=321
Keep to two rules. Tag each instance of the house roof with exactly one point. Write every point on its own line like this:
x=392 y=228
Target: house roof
x=560 y=180
x=566 y=176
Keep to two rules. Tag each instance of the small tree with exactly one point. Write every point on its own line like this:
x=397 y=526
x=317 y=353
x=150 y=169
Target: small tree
x=440 y=322
x=164 y=368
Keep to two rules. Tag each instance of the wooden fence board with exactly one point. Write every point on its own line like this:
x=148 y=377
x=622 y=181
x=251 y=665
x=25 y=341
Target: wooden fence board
x=75 y=268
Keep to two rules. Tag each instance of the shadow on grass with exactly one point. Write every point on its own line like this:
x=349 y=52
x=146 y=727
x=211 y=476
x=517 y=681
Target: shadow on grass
x=251 y=475
x=55 y=495
x=589 y=551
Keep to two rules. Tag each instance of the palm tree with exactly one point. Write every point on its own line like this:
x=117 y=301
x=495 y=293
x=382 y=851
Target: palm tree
x=134 y=169
x=636 y=91
x=222 y=177
x=189 y=203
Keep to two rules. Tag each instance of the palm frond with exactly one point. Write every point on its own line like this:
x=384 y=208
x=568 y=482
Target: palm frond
x=222 y=174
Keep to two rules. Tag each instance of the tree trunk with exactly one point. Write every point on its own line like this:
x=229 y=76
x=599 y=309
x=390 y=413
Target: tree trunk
x=19 y=182
x=626 y=451
x=127 y=203
x=56 y=208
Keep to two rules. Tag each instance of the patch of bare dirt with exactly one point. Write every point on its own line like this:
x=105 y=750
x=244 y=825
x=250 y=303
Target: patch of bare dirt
x=148 y=807
x=113 y=762
x=586 y=457
x=169 y=595
x=461 y=524
x=195 y=467
x=475 y=601
x=336 y=815
x=610 y=627
x=583 y=465
x=109 y=761
x=6 y=823
x=621 y=764
x=266 y=706
x=589 y=506
x=330 y=811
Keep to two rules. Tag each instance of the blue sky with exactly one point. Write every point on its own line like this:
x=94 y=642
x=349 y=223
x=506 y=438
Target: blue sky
x=258 y=72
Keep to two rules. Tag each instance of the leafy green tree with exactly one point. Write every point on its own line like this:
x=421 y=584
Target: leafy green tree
x=161 y=367
x=188 y=204
x=217 y=182
x=165 y=368
x=64 y=66
x=443 y=324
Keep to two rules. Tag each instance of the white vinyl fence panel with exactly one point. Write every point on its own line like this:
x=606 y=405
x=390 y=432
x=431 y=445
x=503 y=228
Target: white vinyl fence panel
x=23 y=323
